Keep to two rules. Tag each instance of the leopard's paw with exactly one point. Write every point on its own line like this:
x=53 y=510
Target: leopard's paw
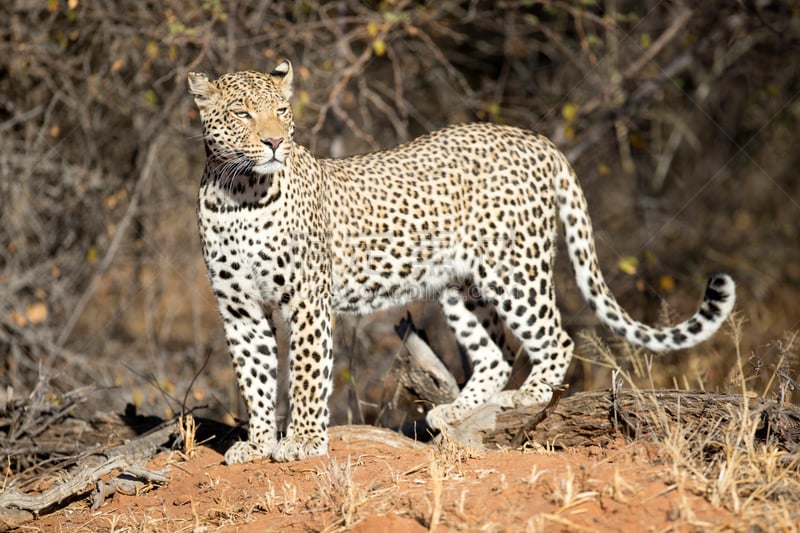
x=246 y=451
x=518 y=398
x=445 y=415
x=295 y=447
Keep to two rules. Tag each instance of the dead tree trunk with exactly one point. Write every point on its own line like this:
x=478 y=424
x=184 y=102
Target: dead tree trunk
x=597 y=418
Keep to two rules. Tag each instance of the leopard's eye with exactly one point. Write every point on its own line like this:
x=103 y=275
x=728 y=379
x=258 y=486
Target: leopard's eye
x=241 y=114
x=281 y=111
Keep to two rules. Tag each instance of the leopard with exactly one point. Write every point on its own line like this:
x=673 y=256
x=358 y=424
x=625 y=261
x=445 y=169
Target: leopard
x=467 y=215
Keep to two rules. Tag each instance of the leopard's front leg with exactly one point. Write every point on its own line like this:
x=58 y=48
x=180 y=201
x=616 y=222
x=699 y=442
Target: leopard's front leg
x=311 y=383
x=254 y=351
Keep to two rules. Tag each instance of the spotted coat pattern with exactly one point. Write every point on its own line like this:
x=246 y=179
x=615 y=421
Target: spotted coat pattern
x=466 y=214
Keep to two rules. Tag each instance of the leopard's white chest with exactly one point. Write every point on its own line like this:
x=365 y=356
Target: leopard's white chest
x=244 y=252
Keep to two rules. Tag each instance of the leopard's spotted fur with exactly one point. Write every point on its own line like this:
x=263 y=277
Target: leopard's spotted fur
x=467 y=214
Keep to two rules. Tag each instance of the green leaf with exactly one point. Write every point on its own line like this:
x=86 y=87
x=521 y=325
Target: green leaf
x=150 y=97
x=628 y=264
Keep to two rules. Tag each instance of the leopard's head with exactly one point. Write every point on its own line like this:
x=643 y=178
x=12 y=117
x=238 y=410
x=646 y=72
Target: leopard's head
x=247 y=119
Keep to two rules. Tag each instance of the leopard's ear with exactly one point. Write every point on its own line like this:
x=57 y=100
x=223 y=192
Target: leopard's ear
x=203 y=90
x=283 y=76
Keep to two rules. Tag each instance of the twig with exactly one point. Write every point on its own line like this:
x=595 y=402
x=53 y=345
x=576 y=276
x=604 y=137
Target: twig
x=21 y=118
x=93 y=467
x=130 y=212
x=678 y=24
x=532 y=422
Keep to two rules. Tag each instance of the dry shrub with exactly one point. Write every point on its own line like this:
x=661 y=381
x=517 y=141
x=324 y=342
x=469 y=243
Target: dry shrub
x=680 y=121
x=731 y=461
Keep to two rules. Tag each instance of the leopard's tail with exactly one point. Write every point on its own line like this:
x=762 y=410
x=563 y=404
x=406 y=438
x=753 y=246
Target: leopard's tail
x=718 y=299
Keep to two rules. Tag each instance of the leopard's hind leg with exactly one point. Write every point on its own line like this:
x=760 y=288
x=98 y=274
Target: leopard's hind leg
x=479 y=333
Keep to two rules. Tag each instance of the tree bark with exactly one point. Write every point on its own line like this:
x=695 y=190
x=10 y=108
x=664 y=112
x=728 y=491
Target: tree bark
x=598 y=418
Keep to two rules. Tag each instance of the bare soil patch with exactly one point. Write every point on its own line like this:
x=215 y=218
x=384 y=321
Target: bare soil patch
x=375 y=480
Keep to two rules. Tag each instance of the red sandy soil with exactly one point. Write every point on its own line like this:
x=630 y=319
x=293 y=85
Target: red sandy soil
x=375 y=480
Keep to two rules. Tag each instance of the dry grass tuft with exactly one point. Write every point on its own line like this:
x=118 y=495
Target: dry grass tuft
x=337 y=492
x=437 y=482
x=725 y=461
x=188 y=434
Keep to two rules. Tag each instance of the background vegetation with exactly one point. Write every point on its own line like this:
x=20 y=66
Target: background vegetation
x=681 y=120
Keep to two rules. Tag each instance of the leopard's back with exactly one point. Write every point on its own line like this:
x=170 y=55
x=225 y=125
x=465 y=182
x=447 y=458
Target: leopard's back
x=408 y=220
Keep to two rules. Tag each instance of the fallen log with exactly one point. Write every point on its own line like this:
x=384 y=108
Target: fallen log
x=600 y=417
x=597 y=418
x=19 y=507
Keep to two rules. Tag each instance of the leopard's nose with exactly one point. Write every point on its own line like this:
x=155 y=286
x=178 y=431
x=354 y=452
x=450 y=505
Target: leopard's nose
x=273 y=142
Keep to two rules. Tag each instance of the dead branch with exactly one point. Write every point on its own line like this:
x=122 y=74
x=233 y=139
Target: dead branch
x=595 y=418
x=88 y=474
x=25 y=420
x=678 y=23
x=599 y=418
x=421 y=371
x=144 y=177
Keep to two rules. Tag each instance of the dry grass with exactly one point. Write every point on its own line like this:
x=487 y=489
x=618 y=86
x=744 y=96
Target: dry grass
x=339 y=493
x=723 y=462
x=188 y=435
x=437 y=482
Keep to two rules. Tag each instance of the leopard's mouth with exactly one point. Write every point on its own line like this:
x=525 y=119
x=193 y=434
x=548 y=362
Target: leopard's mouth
x=270 y=166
